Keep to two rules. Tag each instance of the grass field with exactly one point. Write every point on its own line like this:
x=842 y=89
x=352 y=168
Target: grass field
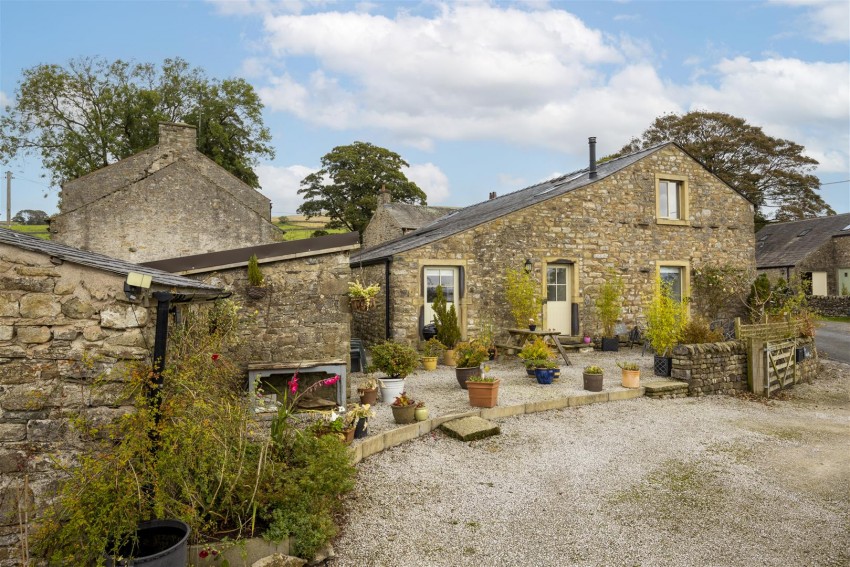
x=37 y=230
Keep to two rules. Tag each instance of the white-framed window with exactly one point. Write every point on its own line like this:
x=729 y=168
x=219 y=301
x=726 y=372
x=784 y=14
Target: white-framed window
x=674 y=276
x=446 y=276
x=671 y=199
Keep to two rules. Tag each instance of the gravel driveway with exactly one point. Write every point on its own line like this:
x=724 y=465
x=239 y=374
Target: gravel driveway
x=697 y=481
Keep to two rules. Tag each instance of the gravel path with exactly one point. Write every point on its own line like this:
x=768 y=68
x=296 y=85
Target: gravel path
x=697 y=481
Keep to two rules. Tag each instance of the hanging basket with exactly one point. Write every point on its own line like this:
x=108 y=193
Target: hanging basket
x=360 y=303
x=256 y=292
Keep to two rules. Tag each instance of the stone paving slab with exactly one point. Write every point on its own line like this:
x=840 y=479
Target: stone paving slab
x=470 y=428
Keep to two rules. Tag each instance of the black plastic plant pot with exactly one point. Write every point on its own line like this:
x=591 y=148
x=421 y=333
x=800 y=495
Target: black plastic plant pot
x=610 y=344
x=158 y=543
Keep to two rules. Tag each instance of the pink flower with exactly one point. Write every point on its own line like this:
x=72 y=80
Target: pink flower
x=331 y=381
x=215 y=356
x=293 y=384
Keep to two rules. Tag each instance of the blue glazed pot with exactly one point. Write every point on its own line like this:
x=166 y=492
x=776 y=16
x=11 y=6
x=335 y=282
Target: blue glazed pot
x=544 y=375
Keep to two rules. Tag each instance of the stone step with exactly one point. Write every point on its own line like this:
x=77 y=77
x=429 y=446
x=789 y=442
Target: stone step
x=470 y=428
x=665 y=389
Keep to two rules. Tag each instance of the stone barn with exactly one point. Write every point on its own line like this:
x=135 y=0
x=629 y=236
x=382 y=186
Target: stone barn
x=169 y=200
x=657 y=212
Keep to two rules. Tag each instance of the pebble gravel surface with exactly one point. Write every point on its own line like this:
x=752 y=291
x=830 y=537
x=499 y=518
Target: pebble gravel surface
x=714 y=480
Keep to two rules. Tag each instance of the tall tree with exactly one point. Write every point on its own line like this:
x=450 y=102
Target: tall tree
x=30 y=216
x=346 y=187
x=92 y=112
x=771 y=172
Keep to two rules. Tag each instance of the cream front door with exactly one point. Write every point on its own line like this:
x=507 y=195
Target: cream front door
x=818 y=283
x=558 y=295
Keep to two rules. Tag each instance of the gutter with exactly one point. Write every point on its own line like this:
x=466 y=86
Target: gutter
x=387 y=310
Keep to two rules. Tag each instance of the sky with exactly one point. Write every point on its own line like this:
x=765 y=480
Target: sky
x=476 y=96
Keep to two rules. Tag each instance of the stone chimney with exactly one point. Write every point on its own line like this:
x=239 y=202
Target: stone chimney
x=492 y=195
x=592 y=143
x=384 y=197
x=181 y=138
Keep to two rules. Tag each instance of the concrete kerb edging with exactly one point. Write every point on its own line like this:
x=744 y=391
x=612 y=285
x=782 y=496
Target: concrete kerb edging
x=377 y=443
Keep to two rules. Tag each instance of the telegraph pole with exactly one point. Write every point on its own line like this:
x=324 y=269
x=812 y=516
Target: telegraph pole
x=9 y=199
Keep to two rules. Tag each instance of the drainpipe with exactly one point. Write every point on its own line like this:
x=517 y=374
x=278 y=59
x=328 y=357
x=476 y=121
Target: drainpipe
x=387 y=311
x=163 y=305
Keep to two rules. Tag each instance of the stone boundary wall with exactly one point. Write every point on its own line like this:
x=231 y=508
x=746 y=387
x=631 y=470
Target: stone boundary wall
x=831 y=305
x=721 y=368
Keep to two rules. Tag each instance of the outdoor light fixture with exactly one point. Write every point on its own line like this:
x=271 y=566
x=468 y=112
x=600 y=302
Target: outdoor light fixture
x=135 y=285
x=528 y=265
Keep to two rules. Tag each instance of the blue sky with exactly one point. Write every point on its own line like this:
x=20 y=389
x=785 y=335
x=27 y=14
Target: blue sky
x=476 y=96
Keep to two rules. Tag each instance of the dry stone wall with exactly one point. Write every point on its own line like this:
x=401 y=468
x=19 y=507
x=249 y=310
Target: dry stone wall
x=831 y=305
x=610 y=224
x=60 y=327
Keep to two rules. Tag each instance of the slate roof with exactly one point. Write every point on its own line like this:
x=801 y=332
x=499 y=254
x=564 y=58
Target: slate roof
x=781 y=244
x=265 y=253
x=415 y=216
x=485 y=211
x=101 y=262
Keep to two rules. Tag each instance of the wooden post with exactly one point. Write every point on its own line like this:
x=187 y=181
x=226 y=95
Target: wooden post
x=738 y=328
x=755 y=365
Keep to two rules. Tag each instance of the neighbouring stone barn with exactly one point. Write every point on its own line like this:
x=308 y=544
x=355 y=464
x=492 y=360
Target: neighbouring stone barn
x=654 y=213
x=169 y=200
x=302 y=314
x=64 y=319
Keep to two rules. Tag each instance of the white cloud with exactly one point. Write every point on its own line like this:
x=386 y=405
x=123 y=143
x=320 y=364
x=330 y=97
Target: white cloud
x=281 y=184
x=4 y=100
x=826 y=21
x=802 y=101
x=430 y=179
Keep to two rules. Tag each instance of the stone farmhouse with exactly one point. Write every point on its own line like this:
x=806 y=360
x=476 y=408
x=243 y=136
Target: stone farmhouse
x=818 y=250
x=657 y=212
x=169 y=200
x=65 y=318
x=392 y=220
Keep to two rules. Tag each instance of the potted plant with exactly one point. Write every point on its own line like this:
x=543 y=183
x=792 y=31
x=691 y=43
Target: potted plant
x=396 y=361
x=445 y=321
x=359 y=414
x=256 y=288
x=368 y=390
x=470 y=355
x=431 y=350
x=544 y=370
x=522 y=292
x=534 y=351
x=404 y=409
x=665 y=322
x=608 y=308
x=483 y=391
x=488 y=339
x=360 y=297
x=421 y=412
x=592 y=378
x=631 y=374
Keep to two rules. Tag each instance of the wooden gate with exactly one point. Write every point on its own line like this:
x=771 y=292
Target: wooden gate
x=771 y=354
x=780 y=365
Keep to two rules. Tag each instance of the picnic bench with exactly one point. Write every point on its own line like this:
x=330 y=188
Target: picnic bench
x=518 y=337
x=259 y=370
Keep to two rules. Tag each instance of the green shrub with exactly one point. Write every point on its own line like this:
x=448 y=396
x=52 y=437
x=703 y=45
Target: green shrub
x=445 y=320
x=394 y=359
x=609 y=302
x=698 y=331
x=471 y=354
x=536 y=350
x=665 y=319
x=522 y=292
x=255 y=275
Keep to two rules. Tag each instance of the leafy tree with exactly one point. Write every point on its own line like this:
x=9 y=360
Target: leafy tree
x=346 y=187
x=29 y=216
x=771 y=172
x=92 y=112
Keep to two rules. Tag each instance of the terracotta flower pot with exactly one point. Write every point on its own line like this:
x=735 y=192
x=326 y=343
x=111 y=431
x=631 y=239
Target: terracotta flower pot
x=483 y=394
x=368 y=396
x=449 y=358
x=349 y=435
x=429 y=362
x=631 y=378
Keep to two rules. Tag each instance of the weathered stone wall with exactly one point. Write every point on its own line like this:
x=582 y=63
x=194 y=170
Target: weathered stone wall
x=60 y=327
x=609 y=224
x=165 y=202
x=381 y=228
x=721 y=368
x=711 y=368
x=305 y=314
x=831 y=305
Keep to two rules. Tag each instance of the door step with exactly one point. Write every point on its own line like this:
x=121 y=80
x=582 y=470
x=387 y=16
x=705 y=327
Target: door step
x=470 y=428
x=665 y=389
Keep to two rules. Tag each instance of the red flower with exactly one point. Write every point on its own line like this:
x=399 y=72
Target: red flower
x=215 y=356
x=203 y=554
x=331 y=381
x=293 y=384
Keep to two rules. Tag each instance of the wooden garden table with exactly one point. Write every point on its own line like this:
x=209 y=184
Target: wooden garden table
x=518 y=337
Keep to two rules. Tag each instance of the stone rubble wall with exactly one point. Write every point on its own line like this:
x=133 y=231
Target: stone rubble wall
x=831 y=305
x=61 y=326
x=370 y=326
x=721 y=368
